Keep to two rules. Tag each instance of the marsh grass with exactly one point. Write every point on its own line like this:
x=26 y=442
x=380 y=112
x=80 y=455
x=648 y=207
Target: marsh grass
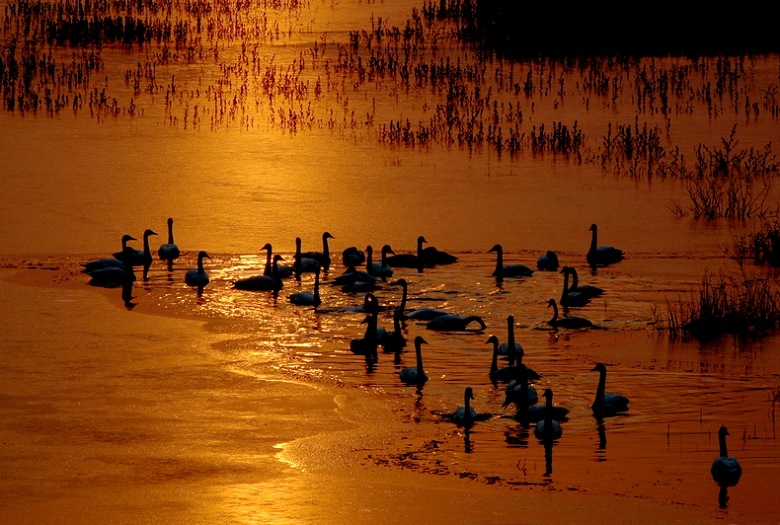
x=742 y=306
x=762 y=247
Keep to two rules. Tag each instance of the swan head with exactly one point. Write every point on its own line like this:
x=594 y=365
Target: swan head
x=298 y=242
x=327 y=235
x=723 y=431
x=278 y=258
x=496 y=248
x=492 y=339
x=551 y=303
x=400 y=282
x=170 y=221
x=600 y=367
x=147 y=233
x=468 y=393
x=593 y=228
x=419 y=341
x=387 y=249
x=203 y=255
x=548 y=393
x=421 y=239
x=126 y=238
x=267 y=246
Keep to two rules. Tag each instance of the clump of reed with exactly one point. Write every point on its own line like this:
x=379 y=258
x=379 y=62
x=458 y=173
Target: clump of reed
x=762 y=247
x=742 y=306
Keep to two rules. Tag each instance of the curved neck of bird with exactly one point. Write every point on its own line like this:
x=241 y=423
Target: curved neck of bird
x=555 y=313
x=724 y=451
x=418 y=351
x=574 y=278
x=200 y=262
x=473 y=318
x=601 y=388
x=325 y=248
x=565 y=283
x=147 y=250
x=494 y=362
x=397 y=321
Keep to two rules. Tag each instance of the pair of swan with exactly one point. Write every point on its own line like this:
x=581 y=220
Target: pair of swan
x=427 y=257
x=133 y=257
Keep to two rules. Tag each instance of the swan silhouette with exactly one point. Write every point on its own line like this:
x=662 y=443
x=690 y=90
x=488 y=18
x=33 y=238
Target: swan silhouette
x=271 y=282
x=605 y=404
x=570 y=297
x=322 y=257
x=380 y=269
x=367 y=345
x=135 y=257
x=415 y=375
x=394 y=341
x=569 y=321
x=112 y=276
x=510 y=348
x=117 y=260
x=601 y=255
x=303 y=264
x=587 y=289
x=547 y=262
x=519 y=391
x=128 y=254
x=432 y=256
x=496 y=374
x=508 y=270
x=404 y=294
x=725 y=469
x=197 y=276
x=169 y=251
x=453 y=322
x=548 y=428
x=352 y=256
x=306 y=298
x=409 y=260
x=464 y=414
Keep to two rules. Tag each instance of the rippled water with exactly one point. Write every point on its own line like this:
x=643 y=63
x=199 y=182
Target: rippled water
x=72 y=185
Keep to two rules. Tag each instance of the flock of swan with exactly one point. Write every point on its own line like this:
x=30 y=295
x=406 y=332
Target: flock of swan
x=118 y=270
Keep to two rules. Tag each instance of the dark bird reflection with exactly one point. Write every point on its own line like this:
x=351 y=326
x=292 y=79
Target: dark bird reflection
x=723 y=497
x=548 y=456
x=468 y=446
x=602 y=433
x=517 y=437
x=127 y=296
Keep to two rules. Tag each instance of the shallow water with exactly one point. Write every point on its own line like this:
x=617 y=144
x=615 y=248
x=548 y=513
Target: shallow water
x=73 y=184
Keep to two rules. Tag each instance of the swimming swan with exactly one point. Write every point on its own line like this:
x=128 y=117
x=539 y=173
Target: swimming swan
x=547 y=262
x=453 y=322
x=569 y=321
x=601 y=255
x=306 y=298
x=548 y=428
x=604 y=404
x=198 y=276
x=169 y=251
x=409 y=260
x=272 y=282
x=496 y=374
x=587 y=289
x=725 y=469
x=415 y=375
x=570 y=297
x=324 y=256
x=508 y=270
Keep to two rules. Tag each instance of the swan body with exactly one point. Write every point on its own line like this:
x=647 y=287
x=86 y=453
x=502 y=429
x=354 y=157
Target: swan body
x=519 y=391
x=568 y=321
x=607 y=404
x=547 y=262
x=272 y=282
x=415 y=375
x=367 y=345
x=587 y=289
x=198 y=276
x=508 y=270
x=128 y=254
x=100 y=264
x=725 y=469
x=464 y=414
x=548 y=428
x=112 y=276
x=426 y=314
x=601 y=255
x=322 y=257
x=352 y=257
x=169 y=251
x=432 y=256
x=381 y=269
x=453 y=322
x=308 y=298
x=394 y=341
x=282 y=270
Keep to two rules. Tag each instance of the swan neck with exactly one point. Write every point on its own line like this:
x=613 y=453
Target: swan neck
x=724 y=452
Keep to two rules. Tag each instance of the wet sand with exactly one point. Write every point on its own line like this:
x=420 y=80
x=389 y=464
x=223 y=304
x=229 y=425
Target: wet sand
x=112 y=416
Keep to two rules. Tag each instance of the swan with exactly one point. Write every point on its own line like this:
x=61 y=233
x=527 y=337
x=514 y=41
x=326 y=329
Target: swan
x=415 y=375
x=135 y=257
x=548 y=428
x=380 y=269
x=519 y=391
x=453 y=322
x=427 y=314
x=394 y=341
x=505 y=373
x=409 y=260
x=352 y=257
x=606 y=404
x=509 y=270
x=510 y=348
x=569 y=321
x=367 y=345
x=128 y=254
x=465 y=415
x=432 y=256
x=404 y=293
x=353 y=275
x=147 y=255
x=601 y=255
x=324 y=256
x=169 y=251
x=536 y=413
x=272 y=282
x=572 y=298
x=303 y=264
x=101 y=264
x=198 y=276
x=112 y=276
x=725 y=469
x=308 y=298
x=547 y=262
x=587 y=289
